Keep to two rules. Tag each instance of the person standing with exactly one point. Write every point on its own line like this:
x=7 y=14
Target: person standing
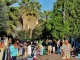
x=44 y=46
x=5 y=38
x=66 y=50
x=41 y=48
x=2 y=49
x=50 y=47
x=61 y=43
x=54 y=45
x=13 y=50
x=58 y=47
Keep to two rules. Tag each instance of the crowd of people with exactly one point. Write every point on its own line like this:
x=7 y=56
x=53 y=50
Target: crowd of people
x=34 y=48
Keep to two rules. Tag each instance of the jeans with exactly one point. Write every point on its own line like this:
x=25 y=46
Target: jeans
x=13 y=58
x=58 y=50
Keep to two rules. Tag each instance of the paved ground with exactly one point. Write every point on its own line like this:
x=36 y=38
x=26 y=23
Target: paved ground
x=53 y=57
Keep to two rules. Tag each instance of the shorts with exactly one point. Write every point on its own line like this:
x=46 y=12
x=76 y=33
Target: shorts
x=49 y=48
x=66 y=56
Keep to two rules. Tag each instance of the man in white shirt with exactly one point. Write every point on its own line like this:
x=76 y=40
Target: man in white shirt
x=66 y=50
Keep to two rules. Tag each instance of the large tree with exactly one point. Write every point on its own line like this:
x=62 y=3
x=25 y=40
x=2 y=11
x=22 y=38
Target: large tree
x=38 y=30
x=30 y=14
x=8 y=17
x=73 y=16
x=12 y=18
x=64 y=20
x=12 y=21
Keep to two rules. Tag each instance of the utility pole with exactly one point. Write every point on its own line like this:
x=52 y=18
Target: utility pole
x=63 y=12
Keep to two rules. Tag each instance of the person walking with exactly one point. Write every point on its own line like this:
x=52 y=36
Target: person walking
x=66 y=50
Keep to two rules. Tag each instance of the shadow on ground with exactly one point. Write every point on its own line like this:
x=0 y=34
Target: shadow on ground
x=53 y=57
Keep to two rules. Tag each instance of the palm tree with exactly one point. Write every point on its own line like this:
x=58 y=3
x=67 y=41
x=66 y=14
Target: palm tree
x=30 y=14
x=12 y=18
x=12 y=22
x=8 y=15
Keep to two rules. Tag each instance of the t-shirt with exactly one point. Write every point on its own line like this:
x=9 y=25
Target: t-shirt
x=61 y=43
x=66 y=48
x=58 y=43
x=40 y=42
x=13 y=51
x=50 y=43
x=44 y=43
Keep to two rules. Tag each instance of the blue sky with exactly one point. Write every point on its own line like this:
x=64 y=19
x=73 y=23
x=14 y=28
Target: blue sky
x=46 y=4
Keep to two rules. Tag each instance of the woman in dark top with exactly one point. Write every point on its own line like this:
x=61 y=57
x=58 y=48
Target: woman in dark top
x=44 y=43
x=50 y=47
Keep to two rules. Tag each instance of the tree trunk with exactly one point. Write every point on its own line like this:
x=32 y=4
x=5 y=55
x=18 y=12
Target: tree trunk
x=30 y=34
x=25 y=34
x=64 y=13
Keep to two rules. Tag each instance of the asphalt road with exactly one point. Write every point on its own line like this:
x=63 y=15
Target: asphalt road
x=53 y=57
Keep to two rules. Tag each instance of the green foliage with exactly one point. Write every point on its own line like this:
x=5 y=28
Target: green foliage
x=10 y=2
x=51 y=22
x=71 y=26
x=29 y=12
x=12 y=22
x=37 y=32
x=20 y=34
x=3 y=15
x=32 y=7
x=8 y=17
x=56 y=28
x=72 y=15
